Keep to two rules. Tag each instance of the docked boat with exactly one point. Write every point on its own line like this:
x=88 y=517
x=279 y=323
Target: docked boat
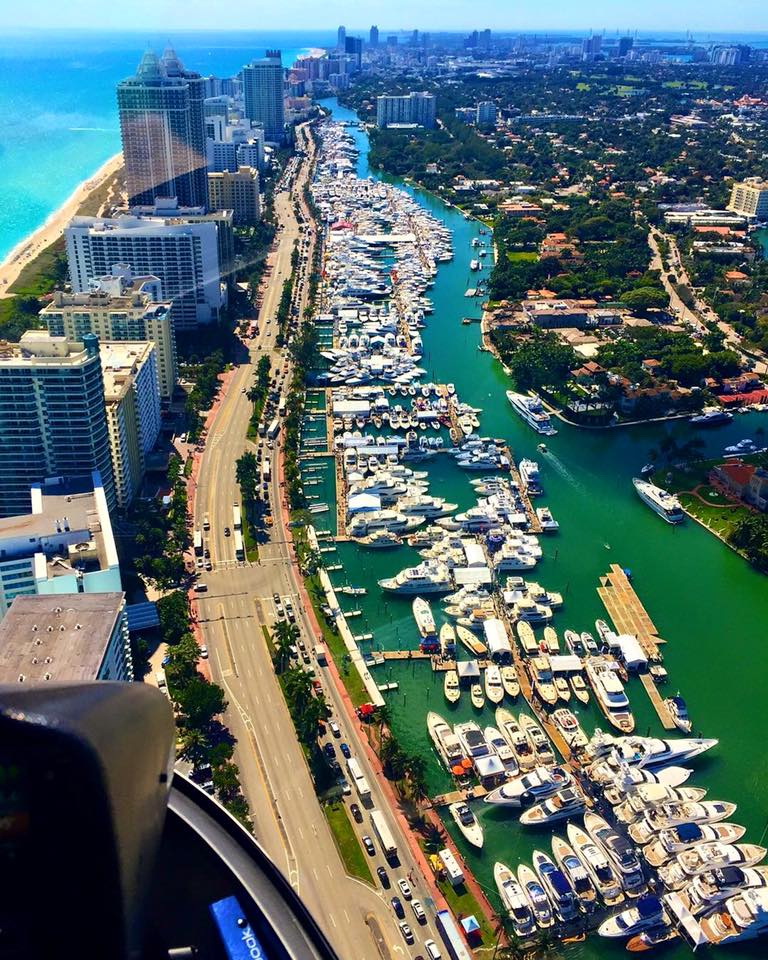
x=579 y=688
x=574 y=643
x=709 y=856
x=712 y=887
x=476 y=696
x=447 y=640
x=514 y=900
x=576 y=872
x=422 y=614
x=527 y=638
x=446 y=742
x=609 y=693
x=380 y=540
x=647 y=913
x=588 y=642
x=472 y=740
x=711 y=417
x=528 y=788
x=662 y=934
x=569 y=727
x=538 y=740
x=536 y=896
x=550 y=640
x=542 y=680
x=620 y=852
x=657 y=819
x=557 y=887
x=509 y=681
x=568 y=802
x=511 y=731
x=663 y=503
x=495 y=739
x=532 y=411
x=649 y=752
x=494 y=691
x=468 y=823
x=597 y=865
x=629 y=778
x=646 y=796
x=470 y=641
x=675 y=840
x=451 y=686
x=547 y=521
x=563 y=689
x=426 y=577
x=678 y=710
x=743 y=917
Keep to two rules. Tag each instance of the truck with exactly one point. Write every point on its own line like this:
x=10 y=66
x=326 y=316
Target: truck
x=273 y=429
x=266 y=470
x=281 y=407
x=359 y=781
x=237 y=518
x=198 y=541
x=382 y=831
x=239 y=548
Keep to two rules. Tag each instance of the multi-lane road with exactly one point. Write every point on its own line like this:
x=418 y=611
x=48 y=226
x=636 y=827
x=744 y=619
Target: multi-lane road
x=287 y=819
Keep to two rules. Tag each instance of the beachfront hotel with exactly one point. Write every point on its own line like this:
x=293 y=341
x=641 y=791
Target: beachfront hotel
x=264 y=95
x=238 y=192
x=52 y=417
x=162 y=125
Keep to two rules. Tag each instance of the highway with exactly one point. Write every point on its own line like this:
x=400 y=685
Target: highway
x=287 y=818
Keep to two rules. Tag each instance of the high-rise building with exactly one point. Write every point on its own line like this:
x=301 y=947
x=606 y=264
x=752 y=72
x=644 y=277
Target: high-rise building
x=591 y=47
x=223 y=151
x=341 y=38
x=132 y=401
x=163 y=131
x=353 y=47
x=485 y=113
x=625 y=45
x=414 y=108
x=71 y=638
x=238 y=192
x=52 y=417
x=750 y=198
x=183 y=251
x=373 y=36
x=119 y=307
x=264 y=97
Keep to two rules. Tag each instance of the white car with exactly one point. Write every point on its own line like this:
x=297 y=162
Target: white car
x=406 y=932
x=418 y=911
x=405 y=888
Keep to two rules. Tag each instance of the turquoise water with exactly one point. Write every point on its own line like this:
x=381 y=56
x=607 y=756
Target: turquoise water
x=58 y=118
x=705 y=600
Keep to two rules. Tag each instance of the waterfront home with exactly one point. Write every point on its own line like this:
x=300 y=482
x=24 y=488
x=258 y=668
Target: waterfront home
x=742 y=480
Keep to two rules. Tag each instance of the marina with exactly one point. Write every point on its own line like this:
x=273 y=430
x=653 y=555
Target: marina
x=575 y=572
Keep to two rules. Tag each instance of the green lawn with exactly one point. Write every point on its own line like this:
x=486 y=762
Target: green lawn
x=355 y=860
x=522 y=255
x=584 y=86
x=249 y=544
x=462 y=902
x=721 y=520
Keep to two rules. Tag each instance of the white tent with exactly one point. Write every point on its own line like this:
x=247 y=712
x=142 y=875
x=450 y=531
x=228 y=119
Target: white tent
x=631 y=651
x=363 y=503
x=496 y=639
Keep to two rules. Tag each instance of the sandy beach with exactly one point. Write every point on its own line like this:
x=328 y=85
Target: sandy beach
x=53 y=227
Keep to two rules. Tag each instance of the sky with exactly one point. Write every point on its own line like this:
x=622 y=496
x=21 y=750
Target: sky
x=699 y=16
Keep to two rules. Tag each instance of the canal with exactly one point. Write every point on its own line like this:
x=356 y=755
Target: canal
x=707 y=603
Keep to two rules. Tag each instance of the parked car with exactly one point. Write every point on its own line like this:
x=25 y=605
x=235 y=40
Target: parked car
x=344 y=747
x=405 y=888
x=418 y=911
x=356 y=812
x=335 y=729
x=406 y=932
x=227 y=532
x=369 y=847
x=397 y=907
x=329 y=750
x=204 y=652
x=383 y=876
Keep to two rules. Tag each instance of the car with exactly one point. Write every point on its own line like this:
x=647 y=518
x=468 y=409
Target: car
x=405 y=888
x=305 y=657
x=206 y=553
x=329 y=750
x=406 y=932
x=346 y=752
x=433 y=950
x=200 y=563
x=418 y=911
x=369 y=847
x=334 y=764
x=345 y=787
x=356 y=812
x=227 y=532
x=335 y=729
x=383 y=876
x=276 y=598
x=204 y=652
x=208 y=565
x=397 y=907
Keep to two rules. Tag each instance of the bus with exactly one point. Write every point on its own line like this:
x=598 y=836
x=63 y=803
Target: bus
x=274 y=429
x=382 y=831
x=198 y=541
x=356 y=775
x=281 y=407
x=237 y=519
x=452 y=938
x=266 y=470
x=239 y=549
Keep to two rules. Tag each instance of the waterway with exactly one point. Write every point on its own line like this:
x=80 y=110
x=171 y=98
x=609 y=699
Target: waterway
x=706 y=601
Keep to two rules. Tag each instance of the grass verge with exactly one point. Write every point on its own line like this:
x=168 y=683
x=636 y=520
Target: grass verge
x=249 y=543
x=347 y=843
x=463 y=903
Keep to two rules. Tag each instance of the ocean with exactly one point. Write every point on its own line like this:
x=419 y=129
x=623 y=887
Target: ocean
x=58 y=115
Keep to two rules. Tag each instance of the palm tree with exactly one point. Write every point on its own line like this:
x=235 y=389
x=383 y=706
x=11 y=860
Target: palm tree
x=384 y=717
x=284 y=636
x=416 y=768
x=434 y=837
x=195 y=746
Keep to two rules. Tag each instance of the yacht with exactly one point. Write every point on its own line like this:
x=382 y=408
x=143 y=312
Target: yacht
x=422 y=614
x=509 y=681
x=536 y=896
x=574 y=643
x=657 y=819
x=576 y=873
x=451 y=686
x=678 y=710
x=711 y=417
x=568 y=725
x=446 y=742
x=629 y=778
x=504 y=751
x=470 y=641
x=665 y=504
x=472 y=740
x=596 y=862
x=648 y=752
x=542 y=680
x=541 y=746
x=468 y=823
x=494 y=690
x=579 y=688
x=514 y=900
x=532 y=411
x=709 y=856
x=568 y=802
x=529 y=474
x=476 y=696
x=557 y=887
x=426 y=577
x=646 y=913
x=538 y=784
x=620 y=852
x=366 y=524
x=550 y=641
x=424 y=506
x=516 y=738
x=648 y=795
x=740 y=918
x=447 y=641
x=380 y=540
x=527 y=638
x=609 y=693
x=675 y=840
x=712 y=887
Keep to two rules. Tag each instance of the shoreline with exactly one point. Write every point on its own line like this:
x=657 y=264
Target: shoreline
x=48 y=232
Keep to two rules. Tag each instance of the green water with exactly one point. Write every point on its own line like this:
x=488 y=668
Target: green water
x=705 y=600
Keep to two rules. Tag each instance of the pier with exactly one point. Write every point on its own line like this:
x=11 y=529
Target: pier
x=658 y=702
x=533 y=519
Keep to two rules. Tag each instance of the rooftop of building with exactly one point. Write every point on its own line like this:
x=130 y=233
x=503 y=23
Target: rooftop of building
x=113 y=292
x=121 y=360
x=57 y=639
x=38 y=347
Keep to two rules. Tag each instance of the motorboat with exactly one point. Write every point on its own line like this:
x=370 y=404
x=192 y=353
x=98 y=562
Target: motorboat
x=713 y=886
x=447 y=744
x=527 y=638
x=451 y=686
x=532 y=411
x=648 y=912
x=711 y=417
x=426 y=577
x=542 y=680
x=648 y=795
x=648 y=752
x=447 y=640
x=743 y=917
x=569 y=727
x=657 y=936
x=664 y=504
x=472 y=740
x=597 y=865
x=620 y=852
x=536 y=896
x=550 y=640
x=509 y=681
x=576 y=872
x=686 y=835
x=514 y=900
x=574 y=643
x=470 y=641
x=511 y=731
x=579 y=688
x=678 y=710
x=563 y=690
x=657 y=819
x=494 y=691
x=609 y=693
x=709 y=856
x=381 y=540
x=589 y=642
x=557 y=887
x=505 y=753
x=546 y=520
x=528 y=788
x=568 y=802
x=631 y=777
x=468 y=823
x=422 y=614
x=538 y=740
x=476 y=696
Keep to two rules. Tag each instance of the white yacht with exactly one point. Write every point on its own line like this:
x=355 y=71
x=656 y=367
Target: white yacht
x=609 y=693
x=709 y=856
x=366 y=524
x=422 y=614
x=380 y=540
x=503 y=750
x=447 y=640
x=660 y=818
x=629 y=778
x=620 y=852
x=426 y=577
x=645 y=796
x=743 y=917
x=568 y=802
x=707 y=889
x=649 y=752
x=425 y=506
x=472 y=740
x=468 y=823
x=675 y=840
x=576 y=873
x=532 y=411
x=646 y=913
x=514 y=735
x=514 y=900
x=451 y=687
x=665 y=504
x=538 y=784
x=494 y=690
x=557 y=887
x=596 y=862
x=446 y=742
x=536 y=896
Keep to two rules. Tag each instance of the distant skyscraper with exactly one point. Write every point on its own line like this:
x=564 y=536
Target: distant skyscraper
x=353 y=47
x=413 y=108
x=625 y=45
x=263 y=93
x=341 y=38
x=163 y=131
x=485 y=113
x=373 y=38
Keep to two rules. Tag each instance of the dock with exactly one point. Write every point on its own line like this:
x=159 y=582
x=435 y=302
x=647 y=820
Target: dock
x=627 y=612
x=658 y=702
x=533 y=517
